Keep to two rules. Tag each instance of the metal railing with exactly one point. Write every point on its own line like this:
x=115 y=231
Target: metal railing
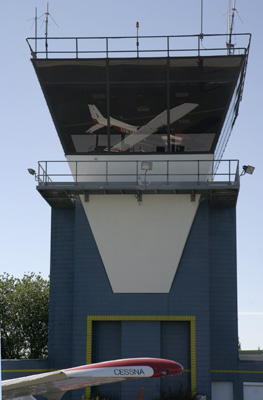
x=135 y=46
x=135 y=173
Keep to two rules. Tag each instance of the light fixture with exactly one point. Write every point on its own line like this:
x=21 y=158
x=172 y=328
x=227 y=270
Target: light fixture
x=146 y=165
x=247 y=169
x=31 y=171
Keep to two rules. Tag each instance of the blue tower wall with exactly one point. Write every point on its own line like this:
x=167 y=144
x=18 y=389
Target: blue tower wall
x=194 y=324
x=61 y=288
x=223 y=289
x=204 y=287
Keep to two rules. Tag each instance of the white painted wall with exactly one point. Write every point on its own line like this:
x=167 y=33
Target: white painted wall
x=140 y=243
x=182 y=168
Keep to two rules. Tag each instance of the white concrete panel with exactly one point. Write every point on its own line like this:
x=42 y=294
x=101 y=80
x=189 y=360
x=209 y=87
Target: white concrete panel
x=140 y=243
x=253 y=391
x=222 y=391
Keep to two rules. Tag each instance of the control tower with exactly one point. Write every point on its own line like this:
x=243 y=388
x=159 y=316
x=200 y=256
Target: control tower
x=143 y=229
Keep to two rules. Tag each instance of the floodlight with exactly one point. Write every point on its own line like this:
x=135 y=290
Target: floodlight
x=146 y=165
x=31 y=171
x=248 y=169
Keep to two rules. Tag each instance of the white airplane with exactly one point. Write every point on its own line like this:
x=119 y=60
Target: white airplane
x=135 y=133
x=53 y=385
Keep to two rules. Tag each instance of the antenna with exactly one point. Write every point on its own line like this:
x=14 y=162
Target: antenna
x=46 y=31
x=36 y=30
x=229 y=44
x=232 y=20
x=201 y=32
x=228 y=19
x=35 y=22
x=137 y=43
x=47 y=14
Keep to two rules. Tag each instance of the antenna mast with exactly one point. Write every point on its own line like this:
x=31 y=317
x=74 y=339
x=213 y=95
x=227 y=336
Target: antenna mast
x=201 y=33
x=137 y=43
x=47 y=15
x=36 y=30
x=46 y=31
x=231 y=25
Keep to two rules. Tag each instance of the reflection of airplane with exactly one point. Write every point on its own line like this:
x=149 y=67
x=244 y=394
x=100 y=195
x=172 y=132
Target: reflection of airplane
x=52 y=385
x=101 y=122
x=176 y=138
x=137 y=134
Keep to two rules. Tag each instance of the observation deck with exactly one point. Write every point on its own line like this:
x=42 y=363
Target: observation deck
x=61 y=183
x=138 y=85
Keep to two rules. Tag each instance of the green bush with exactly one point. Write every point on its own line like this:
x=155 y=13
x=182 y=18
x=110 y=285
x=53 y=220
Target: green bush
x=179 y=394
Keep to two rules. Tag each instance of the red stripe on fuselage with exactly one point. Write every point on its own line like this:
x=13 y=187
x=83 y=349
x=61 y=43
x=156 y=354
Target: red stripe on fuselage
x=123 y=130
x=157 y=364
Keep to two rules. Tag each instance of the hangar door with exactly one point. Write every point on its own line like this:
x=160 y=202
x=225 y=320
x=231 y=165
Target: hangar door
x=253 y=391
x=113 y=339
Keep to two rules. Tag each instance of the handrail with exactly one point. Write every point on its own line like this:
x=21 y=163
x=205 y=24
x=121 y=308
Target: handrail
x=108 y=50
x=110 y=171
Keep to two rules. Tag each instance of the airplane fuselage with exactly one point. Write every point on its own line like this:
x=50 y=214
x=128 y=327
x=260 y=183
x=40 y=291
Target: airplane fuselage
x=53 y=385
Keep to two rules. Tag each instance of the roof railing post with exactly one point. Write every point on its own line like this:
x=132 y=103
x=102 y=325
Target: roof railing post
x=107 y=47
x=237 y=178
x=77 y=48
x=107 y=171
x=46 y=173
x=38 y=171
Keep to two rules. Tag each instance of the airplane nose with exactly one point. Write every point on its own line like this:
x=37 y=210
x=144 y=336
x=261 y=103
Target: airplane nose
x=174 y=369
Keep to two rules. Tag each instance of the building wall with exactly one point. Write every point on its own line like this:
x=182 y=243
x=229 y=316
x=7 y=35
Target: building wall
x=223 y=289
x=61 y=288
x=194 y=324
x=198 y=291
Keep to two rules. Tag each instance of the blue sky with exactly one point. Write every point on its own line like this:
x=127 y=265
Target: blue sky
x=28 y=134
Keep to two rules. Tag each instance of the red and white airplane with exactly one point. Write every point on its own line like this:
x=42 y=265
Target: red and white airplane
x=135 y=133
x=52 y=385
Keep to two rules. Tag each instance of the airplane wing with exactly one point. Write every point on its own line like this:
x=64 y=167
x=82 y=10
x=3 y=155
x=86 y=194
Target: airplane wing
x=52 y=385
x=94 y=128
x=160 y=120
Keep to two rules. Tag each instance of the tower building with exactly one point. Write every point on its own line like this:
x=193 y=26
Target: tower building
x=143 y=226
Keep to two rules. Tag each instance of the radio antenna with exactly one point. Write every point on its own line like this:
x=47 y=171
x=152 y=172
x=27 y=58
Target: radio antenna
x=46 y=31
x=35 y=22
x=35 y=29
x=47 y=15
x=231 y=16
x=137 y=42
x=201 y=32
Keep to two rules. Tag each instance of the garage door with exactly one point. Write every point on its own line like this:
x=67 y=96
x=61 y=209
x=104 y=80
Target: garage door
x=253 y=391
